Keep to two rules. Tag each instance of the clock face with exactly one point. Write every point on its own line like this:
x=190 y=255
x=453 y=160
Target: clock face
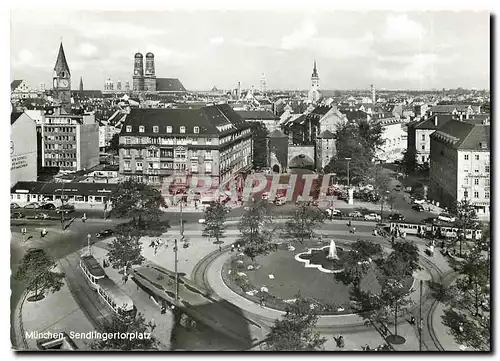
x=63 y=82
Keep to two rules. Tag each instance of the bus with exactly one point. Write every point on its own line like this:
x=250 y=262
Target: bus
x=92 y=270
x=116 y=299
x=435 y=229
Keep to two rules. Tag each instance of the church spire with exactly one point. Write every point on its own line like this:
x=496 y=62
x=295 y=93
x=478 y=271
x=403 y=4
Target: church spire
x=315 y=71
x=61 y=63
x=81 y=83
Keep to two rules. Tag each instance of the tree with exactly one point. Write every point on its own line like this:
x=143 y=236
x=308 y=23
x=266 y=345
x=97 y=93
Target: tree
x=302 y=224
x=409 y=162
x=370 y=134
x=36 y=271
x=381 y=184
x=114 y=143
x=124 y=252
x=137 y=199
x=404 y=260
x=259 y=139
x=466 y=219
x=295 y=331
x=215 y=218
x=256 y=230
x=139 y=327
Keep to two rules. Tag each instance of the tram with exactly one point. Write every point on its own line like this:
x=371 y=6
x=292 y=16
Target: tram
x=434 y=230
x=92 y=270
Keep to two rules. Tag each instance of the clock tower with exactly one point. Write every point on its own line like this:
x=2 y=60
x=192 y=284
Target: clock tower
x=62 y=81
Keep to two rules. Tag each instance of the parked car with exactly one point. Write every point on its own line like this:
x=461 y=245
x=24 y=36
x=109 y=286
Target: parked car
x=419 y=201
x=201 y=221
x=397 y=187
x=41 y=216
x=105 y=233
x=14 y=206
x=373 y=217
x=280 y=201
x=67 y=208
x=17 y=215
x=396 y=217
x=418 y=207
x=33 y=205
x=445 y=217
x=332 y=212
x=265 y=196
x=48 y=206
x=356 y=214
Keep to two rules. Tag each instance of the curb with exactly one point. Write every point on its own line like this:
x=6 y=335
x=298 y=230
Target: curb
x=20 y=340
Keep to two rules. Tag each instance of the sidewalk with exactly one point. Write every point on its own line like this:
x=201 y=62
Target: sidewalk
x=57 y=312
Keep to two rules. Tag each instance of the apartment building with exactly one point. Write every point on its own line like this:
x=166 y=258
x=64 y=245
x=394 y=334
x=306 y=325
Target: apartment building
x=159 y=143
x=70 y=142
x=395 y=139
x=23 y=148
x=460 y=164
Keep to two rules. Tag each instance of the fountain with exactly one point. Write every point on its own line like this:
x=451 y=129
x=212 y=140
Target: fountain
x=332 y=252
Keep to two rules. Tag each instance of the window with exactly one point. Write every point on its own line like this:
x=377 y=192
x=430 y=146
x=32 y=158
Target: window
x=477 y=157
x=127 y=152
x=155 y=129
x=487 y=182
x=476 y=194
x=129 y=128
x=487 y=195
x=196 y=130
x=466 y=180
x=476 y=170
x=476 y=181
x=141 y=129
x=423 y=136
x=466 y=170
x=169 y=129
x=466 y=157
x=466 y=194
x=183 y=129
x=423 y=146
x=126 y=165
x=139 y=166
x=423 y=159
x=487 y=168
x=209 y=141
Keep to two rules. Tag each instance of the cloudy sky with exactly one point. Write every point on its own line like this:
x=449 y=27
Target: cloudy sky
x=393 y=50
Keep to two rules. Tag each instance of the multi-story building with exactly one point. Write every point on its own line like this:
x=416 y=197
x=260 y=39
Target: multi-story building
x=23 y=148
x=20 y=89
x=159 y=143
x=69 y=141
x=395 y=139
x=145 y=80
x=460 y=165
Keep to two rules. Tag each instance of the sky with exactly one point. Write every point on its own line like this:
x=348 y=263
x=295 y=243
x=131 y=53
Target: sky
x=353 y=49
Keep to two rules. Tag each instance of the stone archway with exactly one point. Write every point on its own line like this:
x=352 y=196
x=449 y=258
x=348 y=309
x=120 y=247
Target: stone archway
x=301 y=161
x=276 y=168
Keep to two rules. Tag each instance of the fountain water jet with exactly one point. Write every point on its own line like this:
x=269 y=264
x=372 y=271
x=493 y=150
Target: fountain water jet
x=332 y=252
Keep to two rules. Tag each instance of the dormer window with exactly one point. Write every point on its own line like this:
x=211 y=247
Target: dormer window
x=129 y=128
x=155 y=129
x=169 y=129
x=141 y=129
x=483 y=145
x=196 y=130
x=183 y=129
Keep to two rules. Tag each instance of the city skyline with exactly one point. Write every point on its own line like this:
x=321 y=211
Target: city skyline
x=414 y=50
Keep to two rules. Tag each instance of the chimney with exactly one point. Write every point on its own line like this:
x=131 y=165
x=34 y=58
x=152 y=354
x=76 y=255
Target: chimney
x=373 y=93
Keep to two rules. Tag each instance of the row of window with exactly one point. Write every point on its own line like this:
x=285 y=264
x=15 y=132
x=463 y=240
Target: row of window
x=164 y=165
x=165 y=153
x=60 y=155
x=156 y=129
x=52 y=163
x=60 y=146
x=476 y=157
x=60 y=129
x=477 y=181
x=476 y=170
x=165 y=141
x=66 y=138
x=476 y=194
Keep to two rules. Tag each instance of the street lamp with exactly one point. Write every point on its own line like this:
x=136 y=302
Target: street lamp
x=348 y=177
x=422 y=276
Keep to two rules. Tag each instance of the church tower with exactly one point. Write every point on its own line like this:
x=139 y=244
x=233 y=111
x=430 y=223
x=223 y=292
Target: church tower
x=150 y=77
x=315 y=78
x=138 y=78
x=62 y=80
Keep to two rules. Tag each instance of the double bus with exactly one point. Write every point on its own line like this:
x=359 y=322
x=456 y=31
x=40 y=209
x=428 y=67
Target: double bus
x=92 y=270
x=116 y=299
x=435 y=229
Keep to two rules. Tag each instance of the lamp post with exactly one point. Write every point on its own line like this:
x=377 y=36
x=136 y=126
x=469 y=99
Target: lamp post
x=421 y=276
x=348 y=176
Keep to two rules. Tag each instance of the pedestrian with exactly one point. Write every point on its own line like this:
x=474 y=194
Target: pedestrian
x=84 y=217
x=152 y=324
x=460 y=327
x=125 y=279
x=366 y=348
x=232 y=248
x=261 y=301
x=412 y=320
x=339 y=341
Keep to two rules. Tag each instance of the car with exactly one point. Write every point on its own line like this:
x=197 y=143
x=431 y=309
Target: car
x=41 y=216
x=48 y=206
x=67 y=208
x=445 y=217
x=33 y=205
x=280 y=201
x=201 y=221
x=14 y=206
x=17 y=215
x=373 y=217
x=265 y=196
x=396 y=217
x=104 y=233
x=418 y=208
x=332 y=212
x=419 y=201
x=397 y=187
x=355 y=214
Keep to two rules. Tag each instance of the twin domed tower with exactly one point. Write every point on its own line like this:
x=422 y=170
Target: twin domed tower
x=144 y=80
